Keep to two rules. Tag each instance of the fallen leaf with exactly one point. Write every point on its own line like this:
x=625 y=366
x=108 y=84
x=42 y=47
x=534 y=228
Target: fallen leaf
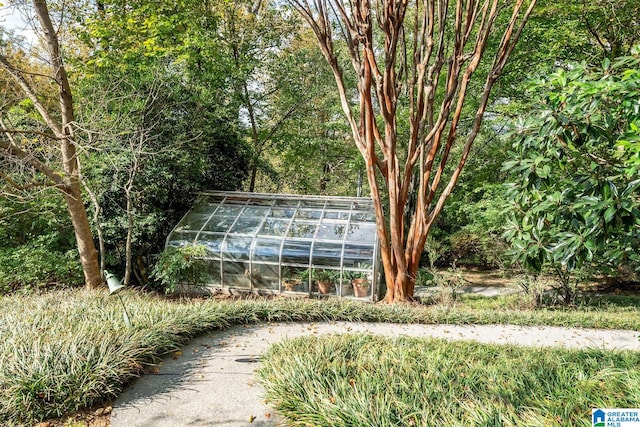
x=252 y=418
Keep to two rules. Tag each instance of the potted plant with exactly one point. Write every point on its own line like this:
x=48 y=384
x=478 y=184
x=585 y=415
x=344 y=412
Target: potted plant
x=289 y=282
x=325 y=280
x=360 y=281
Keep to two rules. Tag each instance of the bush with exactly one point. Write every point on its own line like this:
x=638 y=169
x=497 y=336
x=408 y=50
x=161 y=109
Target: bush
x=574 y=184
x=35 y=265
x=181 y=266
x=469 y=232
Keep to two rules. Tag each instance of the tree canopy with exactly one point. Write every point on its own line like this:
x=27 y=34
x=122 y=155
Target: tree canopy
x=123 y=110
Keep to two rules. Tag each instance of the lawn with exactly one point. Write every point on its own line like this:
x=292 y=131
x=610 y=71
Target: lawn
x=67 y=350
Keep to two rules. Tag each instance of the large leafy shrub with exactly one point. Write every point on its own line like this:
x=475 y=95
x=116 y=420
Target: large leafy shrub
x=574 y=174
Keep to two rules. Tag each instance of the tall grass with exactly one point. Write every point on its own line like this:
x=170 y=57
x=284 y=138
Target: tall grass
x=364 y=380
x=67 y=350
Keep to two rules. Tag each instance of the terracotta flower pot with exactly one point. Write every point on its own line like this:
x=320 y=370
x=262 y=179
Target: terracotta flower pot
x=360 y=287
x=324 y=287
x=291 y=284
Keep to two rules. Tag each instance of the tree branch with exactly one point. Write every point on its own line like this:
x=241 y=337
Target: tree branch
x=14 y=151
x=31 y=94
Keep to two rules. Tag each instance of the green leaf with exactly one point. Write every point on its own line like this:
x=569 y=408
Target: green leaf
x=609 y=214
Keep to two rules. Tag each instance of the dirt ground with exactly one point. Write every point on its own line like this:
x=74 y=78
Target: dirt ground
x=493 y=278
x=499 y=278
x=100 y=417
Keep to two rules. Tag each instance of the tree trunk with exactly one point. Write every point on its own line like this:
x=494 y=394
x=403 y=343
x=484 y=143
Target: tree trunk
x=70 y=161
x=253 y=173
x=84 y=238
x=96 y=220
x=128 y=245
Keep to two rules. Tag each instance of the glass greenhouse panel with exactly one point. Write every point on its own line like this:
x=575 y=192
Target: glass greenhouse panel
x=246 y=225
x=274 y=227
x=308 y=214
x=218 y=224
x=255 y=212
x=316 y=204
x=302 y=229
x=329 y=230
x=327 y=254
x=213 y=243
x=362 y=232
x=296 y=252
x=267 y=250
x=265 y=277
x=281 y=213
x=364 y=217
x=236 y=248
x=198 y=217
x=273 y=243
x=286 y=202
x=356 y=255
x=182 y=238
x=336 y=215
x=213 y=273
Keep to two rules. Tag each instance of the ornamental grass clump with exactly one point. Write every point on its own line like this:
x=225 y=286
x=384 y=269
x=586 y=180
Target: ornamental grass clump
x=65 y=351
x=366 y=380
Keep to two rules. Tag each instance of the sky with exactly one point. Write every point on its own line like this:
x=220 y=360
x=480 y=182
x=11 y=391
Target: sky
x=11 y=19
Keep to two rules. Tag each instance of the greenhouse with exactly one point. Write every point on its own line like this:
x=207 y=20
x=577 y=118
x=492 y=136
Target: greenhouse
x=274 y=243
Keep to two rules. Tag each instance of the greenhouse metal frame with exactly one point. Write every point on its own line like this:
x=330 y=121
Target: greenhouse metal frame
x=281 y=243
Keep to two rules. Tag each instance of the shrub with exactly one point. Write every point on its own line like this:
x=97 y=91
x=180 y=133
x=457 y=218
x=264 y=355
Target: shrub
x=181 y=266
x=35 y=265
x=574 y=184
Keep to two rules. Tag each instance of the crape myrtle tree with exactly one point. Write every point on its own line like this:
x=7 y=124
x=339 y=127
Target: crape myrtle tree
x=415 y=62
x=55 y=128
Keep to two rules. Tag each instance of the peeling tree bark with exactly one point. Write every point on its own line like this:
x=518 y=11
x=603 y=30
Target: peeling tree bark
x=409 y=63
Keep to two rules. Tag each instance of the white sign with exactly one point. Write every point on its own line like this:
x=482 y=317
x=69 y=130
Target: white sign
x=617 y=417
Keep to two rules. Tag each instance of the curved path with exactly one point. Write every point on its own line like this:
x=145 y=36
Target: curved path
x=210 y=382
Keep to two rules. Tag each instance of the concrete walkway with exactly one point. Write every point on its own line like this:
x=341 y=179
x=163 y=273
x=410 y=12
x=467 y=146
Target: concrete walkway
x=210 y=382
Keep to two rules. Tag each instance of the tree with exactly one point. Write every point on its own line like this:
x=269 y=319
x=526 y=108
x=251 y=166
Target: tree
x=256 y=38
x=158 y=115
x=157 y=143
x=414 y=61
x=64 y=172
x=562 y=32
x=311 y=153
x=574 y=174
